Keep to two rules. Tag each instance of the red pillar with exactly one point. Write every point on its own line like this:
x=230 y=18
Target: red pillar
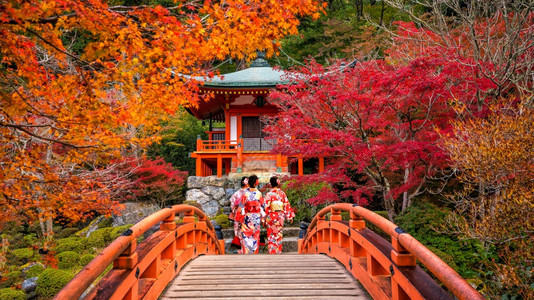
x=219 y=165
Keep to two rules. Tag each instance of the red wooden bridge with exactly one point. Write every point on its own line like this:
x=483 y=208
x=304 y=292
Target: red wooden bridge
x=336 y=259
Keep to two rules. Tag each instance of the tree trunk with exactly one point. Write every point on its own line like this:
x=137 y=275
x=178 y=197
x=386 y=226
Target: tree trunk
x=389 y=202
x=405 y=194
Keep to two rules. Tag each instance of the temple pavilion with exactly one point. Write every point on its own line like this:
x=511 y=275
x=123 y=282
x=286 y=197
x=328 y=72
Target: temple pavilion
x=239 y=101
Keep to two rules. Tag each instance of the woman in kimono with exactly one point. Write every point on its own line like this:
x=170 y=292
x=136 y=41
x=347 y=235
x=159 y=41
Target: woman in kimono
x=251 y=214
x=235 y=205
x=278 y=210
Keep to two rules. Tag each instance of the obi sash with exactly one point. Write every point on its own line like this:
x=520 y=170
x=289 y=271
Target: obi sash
x=277 y=205
x=253 y=206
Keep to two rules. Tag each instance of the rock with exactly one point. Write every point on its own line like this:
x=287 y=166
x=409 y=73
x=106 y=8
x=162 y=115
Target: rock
x=215 y=181
x=224 y=202
x=229 y=192
x=197 y=196
x=134 y=212
x=29 y=265
x=195 y=182
x=216 y=192
x=209 y=206
x=92 y=226
x=29 y=285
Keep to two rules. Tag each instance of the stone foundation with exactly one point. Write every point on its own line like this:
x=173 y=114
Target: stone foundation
x=212 y=193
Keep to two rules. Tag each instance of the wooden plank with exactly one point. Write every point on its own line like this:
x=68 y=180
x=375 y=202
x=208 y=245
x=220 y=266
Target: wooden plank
x=278 y=293
x=260 y=276
x=262 y=286
x=264 y=276
x=250 y=297
x=273 y=280
x=261 y=271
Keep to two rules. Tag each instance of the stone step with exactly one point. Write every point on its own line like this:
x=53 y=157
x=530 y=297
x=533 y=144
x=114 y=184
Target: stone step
x=288 y=232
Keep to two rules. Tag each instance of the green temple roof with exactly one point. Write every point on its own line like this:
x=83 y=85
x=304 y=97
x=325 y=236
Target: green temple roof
x=259 y=74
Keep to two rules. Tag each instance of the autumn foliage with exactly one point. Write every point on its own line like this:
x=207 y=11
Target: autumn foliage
x=378 y=119
x=83 y=83
x=447 y=112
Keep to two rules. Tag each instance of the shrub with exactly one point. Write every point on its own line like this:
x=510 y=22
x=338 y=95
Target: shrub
x=222 y=220
x=86 y=259
x=107 y=222
x=69 y=244
x=23 y=254
x=66 y=232
x=298 y=194
x=51 y=282
x=99 y=237
x=422 y=220
x=12 y=278
x=34 y=271
x=117 y=231
x=30 y=239
x=11 y=294
x=68 y=259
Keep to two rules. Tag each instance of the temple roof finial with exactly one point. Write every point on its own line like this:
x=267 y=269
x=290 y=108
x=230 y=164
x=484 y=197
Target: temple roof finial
x=260 y=60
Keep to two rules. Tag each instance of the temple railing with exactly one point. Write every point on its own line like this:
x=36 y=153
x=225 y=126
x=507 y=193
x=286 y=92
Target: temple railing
x=218 y=145
x=144 y=270
x=387 y=269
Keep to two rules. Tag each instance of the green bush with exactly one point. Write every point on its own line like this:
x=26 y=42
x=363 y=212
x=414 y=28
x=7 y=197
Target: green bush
x=423 y=219
x=298 y=196
x=23 y=254
x=117 y=231
x=86 y=259
x=34 y=271
x=70 y=244
x=107 y=222
x=11 y=294
x=12 y=278
x=51 y=282
x=30 y=239
x=66 y=232
x=68 y=259
x=100 y=237
x=222 y=220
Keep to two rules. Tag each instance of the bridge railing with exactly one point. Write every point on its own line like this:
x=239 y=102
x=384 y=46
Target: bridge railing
x=387 y=269
x=144 y=270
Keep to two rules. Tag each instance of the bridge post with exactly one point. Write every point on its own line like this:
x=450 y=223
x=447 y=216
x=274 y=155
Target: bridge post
x=335 y=214
x=128 y=258
x=189 y=216
x=356 y=222
x=400 y=255
x=168 y=224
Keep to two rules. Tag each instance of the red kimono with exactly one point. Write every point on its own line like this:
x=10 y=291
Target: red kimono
x=278 y=209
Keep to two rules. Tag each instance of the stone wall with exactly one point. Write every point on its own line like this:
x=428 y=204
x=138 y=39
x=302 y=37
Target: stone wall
x=211 y=193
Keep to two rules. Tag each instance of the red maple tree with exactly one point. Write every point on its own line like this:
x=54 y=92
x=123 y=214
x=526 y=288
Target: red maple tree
x=376 y=121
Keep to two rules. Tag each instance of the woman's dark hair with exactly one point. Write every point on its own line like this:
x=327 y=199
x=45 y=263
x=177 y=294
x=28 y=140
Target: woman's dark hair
x=252 y=181
x=274 y=181
x=242 y=181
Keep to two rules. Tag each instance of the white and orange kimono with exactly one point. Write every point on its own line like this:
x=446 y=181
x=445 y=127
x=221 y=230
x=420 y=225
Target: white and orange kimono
x=250 y=216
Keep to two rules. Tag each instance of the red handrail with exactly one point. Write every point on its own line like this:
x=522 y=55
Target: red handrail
x=216 y=145
x=405 y=249
x=122 y=252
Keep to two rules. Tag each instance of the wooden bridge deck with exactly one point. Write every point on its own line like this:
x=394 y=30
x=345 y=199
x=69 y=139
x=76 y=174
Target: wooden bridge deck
x=287 y=276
